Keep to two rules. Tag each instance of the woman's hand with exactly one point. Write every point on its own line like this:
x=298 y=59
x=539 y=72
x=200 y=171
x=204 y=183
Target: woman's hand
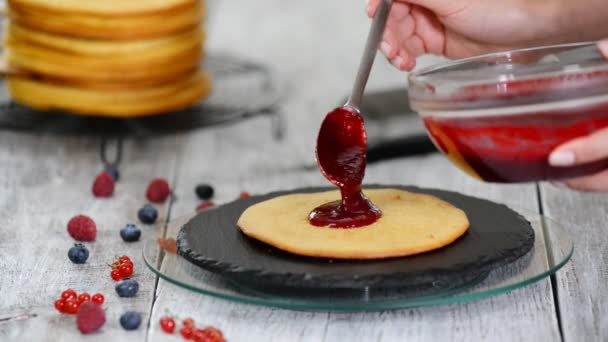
x=462 y=28
x=585 y=149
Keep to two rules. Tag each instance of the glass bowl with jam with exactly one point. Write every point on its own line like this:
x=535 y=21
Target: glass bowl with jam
x=499 y=116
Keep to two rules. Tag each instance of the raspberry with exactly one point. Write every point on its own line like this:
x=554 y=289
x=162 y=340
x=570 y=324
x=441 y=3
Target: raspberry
x=82 y=228
x=90 y=317
x=158 y=190
x=103 y=185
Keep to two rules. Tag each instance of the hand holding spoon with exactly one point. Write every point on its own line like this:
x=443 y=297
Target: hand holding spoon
x=341 y=145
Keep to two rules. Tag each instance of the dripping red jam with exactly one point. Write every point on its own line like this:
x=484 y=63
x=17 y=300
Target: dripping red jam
x=341 y=155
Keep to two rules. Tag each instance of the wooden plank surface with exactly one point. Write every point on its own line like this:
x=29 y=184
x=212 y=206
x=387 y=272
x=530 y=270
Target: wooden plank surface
x=582 y=286
x=45 y=181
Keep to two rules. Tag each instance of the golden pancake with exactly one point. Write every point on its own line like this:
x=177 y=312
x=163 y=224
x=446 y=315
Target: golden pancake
x=103 y=7
x=110 y=27
x=411 y=223
x=69 y=58
x=110 y=102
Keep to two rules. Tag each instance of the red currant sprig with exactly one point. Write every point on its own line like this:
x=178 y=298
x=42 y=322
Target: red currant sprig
x=70 y=301
x=122 y=268
x=189 y=331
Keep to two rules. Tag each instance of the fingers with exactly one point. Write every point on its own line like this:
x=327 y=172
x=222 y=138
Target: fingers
x=594 y=183
x=581 y=150
x=372 y=6
x=603 y=46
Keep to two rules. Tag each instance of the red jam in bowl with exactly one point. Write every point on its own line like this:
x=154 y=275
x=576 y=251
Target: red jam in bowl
x=508 y=148
x=499 y=120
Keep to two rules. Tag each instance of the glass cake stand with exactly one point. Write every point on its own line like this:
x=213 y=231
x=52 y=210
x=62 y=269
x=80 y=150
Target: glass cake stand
x=552 y=249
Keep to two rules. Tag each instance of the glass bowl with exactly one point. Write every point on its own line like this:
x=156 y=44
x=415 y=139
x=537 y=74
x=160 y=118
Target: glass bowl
x=499 y=116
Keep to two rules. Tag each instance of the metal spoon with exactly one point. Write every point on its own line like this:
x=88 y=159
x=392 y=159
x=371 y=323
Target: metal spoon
x=341 y=143
x=371 y=47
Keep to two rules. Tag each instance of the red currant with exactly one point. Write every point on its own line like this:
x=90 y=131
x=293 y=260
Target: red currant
x=167 y=324
x=186 y=332
x=83 y=297
x=116 y=275
x=98 y=298
x=188 y=323
x=126 y=270
x=199 y=335
x=67 y=294
x=124 y=258
x=60 y=305
x=244 y=194
x=71 y=306
x=214 y=333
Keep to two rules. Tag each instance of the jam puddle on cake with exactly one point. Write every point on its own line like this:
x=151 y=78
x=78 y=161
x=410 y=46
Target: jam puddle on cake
x=341 y=148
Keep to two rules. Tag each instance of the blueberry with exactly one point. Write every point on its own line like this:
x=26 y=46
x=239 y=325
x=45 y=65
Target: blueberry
x=204 y=191
x=147 y=214
x=78 y=254
x=130 y=233
x=113 y=171
x=130 y=320
x=127 y=288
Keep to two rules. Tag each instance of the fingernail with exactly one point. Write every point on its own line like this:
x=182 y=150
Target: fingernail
x=396 y=62
x=562 y=158
x=386 y=50
x=603 y=46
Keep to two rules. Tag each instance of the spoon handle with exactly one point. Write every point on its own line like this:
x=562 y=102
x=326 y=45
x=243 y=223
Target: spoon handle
x=371 y=47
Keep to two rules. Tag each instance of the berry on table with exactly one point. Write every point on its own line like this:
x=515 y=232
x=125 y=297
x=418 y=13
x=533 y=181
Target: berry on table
x=158 y=190
x=60 y=305
x=244 y=194
x=103 y=186
x=90 y=317
x=130 y=320
x=126 y=270
x=78 y=254
x=72 y=305
x=127 y=288
x=188 y=322
x=147 y=214
x=130 y=233
x=167 y=324
x=122 y=268
x=82 y=228
x=67 y=294
x=169 y=245
x=112 y=170
x=209 y=334
x=98 y=298
x=204 y=205
x=204 y=191
x=186 y=332
x=115 y=275
x=83 y=297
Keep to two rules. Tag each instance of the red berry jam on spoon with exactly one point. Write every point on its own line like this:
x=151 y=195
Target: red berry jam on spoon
x=341 y=147
x=342 y=144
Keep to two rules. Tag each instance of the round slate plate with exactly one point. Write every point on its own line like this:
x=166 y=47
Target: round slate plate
x=497 y=236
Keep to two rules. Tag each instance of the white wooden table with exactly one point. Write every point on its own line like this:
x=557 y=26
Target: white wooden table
x=314 y=47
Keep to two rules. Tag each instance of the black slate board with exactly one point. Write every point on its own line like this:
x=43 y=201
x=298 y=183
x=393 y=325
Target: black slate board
x=497 y=236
